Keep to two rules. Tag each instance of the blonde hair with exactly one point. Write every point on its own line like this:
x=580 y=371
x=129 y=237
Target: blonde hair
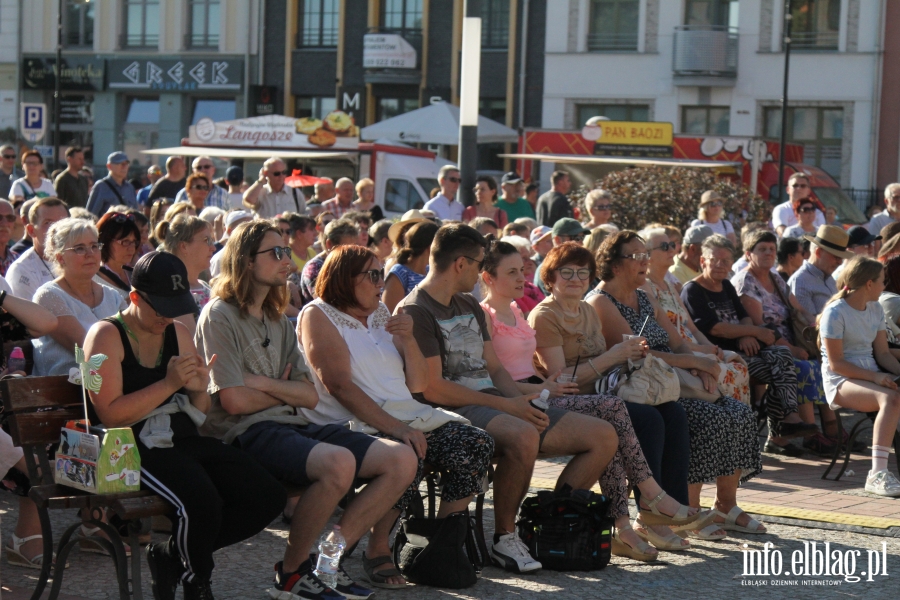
x=362 y=184
x=857 y=272
x=182 y=228
x=594 y=196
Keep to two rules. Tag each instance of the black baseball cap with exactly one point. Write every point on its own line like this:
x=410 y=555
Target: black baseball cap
x=163 y=279
x=511 y=177
x=860 y=236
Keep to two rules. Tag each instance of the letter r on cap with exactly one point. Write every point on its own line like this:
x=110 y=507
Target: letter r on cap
x=176 y=283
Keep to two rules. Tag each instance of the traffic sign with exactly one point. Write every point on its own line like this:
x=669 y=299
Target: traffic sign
x=33 y=120
x=45 y=151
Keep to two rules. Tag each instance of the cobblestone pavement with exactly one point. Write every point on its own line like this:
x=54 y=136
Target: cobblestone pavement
x=708 y=570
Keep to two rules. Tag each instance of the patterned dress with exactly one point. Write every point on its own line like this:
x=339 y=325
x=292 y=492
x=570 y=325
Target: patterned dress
x=723 y=433
x=734 y=381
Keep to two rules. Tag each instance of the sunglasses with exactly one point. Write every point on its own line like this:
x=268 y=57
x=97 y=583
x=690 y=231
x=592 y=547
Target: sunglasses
x=122 y=218
x=799 y=185
x=715 y=204
x=452 y=179
x=9 y=156
x=202 y=188
x=150 y=304
x=640 y=256
x=574 y=238
x=807 y=209
x=480 y=263
x=280 y=252
x=665 y=246
x=567 y=273
x=277 y=173
x=205 y=167
x=9 y=218
x=376 y=276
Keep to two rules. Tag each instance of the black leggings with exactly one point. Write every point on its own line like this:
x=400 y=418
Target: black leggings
x=221 y=494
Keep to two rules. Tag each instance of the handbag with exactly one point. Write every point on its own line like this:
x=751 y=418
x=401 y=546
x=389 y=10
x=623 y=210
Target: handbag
x=646 y=381
x=804 y=331
x=567 y=530
x=692 y=386
x=438 y=552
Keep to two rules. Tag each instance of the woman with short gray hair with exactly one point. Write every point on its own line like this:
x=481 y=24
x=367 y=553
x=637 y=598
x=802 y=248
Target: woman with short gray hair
x=73 y=297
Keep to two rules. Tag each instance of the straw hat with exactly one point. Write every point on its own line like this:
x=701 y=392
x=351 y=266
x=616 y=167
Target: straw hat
x=831 y=239
x=710 y=196
x=408 y=219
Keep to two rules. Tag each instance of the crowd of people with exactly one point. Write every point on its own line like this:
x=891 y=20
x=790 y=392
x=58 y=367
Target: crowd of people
x=255 y=335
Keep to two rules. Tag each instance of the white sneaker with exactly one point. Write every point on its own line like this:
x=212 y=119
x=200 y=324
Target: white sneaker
x=883 y=483
x=512 y=554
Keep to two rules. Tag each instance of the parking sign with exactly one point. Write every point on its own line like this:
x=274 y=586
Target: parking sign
x=33 y=120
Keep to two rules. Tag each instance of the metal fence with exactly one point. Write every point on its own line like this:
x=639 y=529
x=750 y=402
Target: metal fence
x=864 y=198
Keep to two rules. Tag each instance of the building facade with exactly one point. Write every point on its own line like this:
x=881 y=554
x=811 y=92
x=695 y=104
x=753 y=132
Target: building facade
x=715 y=67
x=9 y=69
x=137 y=73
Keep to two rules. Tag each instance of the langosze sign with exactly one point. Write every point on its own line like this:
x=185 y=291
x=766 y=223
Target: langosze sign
x=177 y=75
x=78 y=74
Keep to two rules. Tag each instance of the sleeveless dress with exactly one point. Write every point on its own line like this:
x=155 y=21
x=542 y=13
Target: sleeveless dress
x=723 y=434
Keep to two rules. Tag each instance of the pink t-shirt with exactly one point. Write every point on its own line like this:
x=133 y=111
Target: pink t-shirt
x=514 y=346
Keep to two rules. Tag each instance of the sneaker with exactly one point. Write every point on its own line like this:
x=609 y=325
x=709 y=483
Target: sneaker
x=302 y=583
x=883 y=483
x=198 y=590
x=820 y=445
x=511 y=553
x=349 y=588
x=165 y=570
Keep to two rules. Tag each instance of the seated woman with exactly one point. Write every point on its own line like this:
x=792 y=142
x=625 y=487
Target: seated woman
x=120 y=237
x=553 y=337
x=763 y=295
x=857 y=366
x=531 y=294
x=73 y=297
x=411 y=265
x=806 y=212
x=191 y=240
x=734 y=381
x=724 y=447
x=366 y=365
x=155 y=377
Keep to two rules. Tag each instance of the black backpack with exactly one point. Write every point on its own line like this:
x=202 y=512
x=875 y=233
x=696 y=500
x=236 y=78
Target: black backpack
x=438 y=552
x=567 y=530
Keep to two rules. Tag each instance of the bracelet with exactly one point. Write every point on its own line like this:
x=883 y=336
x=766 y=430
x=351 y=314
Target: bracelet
x=591 y=363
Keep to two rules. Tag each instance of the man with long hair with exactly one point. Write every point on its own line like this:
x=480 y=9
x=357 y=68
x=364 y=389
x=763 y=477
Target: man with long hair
x=257 y=384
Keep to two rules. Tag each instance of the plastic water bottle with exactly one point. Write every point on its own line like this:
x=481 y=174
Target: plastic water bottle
x=16 y=360
x=331 y=548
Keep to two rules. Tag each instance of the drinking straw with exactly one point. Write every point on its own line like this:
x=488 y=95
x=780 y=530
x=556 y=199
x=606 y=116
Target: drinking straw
x=644 y=325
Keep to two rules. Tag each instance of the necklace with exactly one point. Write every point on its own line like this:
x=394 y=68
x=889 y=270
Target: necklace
x=78 y=297
x=121 y=319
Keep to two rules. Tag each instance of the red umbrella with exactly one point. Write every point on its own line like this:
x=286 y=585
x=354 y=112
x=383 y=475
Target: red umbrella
x=297 y=180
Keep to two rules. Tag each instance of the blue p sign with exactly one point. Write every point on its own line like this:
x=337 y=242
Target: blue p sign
x=34 y=117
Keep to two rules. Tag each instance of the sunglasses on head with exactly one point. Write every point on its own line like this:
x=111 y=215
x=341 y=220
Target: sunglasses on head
x=122 y=218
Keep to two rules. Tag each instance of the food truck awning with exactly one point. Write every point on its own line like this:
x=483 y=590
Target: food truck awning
x=624 y=160
x=245 y=152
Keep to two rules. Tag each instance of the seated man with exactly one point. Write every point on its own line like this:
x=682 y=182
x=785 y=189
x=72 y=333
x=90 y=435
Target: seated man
x=465 y=375
x=257 y=385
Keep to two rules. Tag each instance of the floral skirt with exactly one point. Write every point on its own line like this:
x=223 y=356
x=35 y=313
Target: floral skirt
x=734 y=381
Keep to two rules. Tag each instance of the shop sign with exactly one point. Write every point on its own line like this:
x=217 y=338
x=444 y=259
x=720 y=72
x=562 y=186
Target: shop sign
x=630 y=138
x=263 y=99
x=337 y=131
x=387 y=51
x=76 y=110
x=177 y=75
x=78 y=74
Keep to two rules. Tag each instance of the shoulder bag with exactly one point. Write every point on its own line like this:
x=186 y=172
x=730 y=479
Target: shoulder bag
x=804 y=331
x=646 y=381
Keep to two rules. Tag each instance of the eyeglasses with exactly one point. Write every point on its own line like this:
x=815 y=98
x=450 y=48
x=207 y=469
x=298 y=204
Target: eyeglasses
x=480 y=263
x=665 y=246
x=9 y=156
x=574 y=238
x=567 y=273
x=81 y=249
x=799 y=185
x=205 y=167
x=208 y=242
x=276 y=173
x=376 y=276
x=640 y=256
x=603 y=207
x=807 y=209
x=280 y=252
x=285 y=230
x=202 y=188
x=33 y=163
x=452 y=179
x=121 y=218
x=9 y=218
x=716 y=204
x=126 y=243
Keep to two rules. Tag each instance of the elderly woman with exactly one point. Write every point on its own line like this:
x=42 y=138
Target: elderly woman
x=73 y=297
x=734 y=380
x=190 y=239
x=766 y=298
x=197 y=189
x=710 y=214
x=411 y=265
x=806 y=213
x=718 y=312
x=724 y=447
x=119 y=236
x=598 y=204
x=531 y=294
x=365 y=199
x=485 y=197
x=366 y=365
x=154 y=371
x=515 y=342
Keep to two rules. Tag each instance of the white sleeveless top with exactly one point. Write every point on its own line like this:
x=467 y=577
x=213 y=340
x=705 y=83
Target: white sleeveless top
x=377 y=368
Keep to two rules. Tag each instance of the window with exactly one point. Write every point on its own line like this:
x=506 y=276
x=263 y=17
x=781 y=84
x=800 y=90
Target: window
x=402 y=14
x=613 y=112
x=815 y=24
x=721 y=13
x=316 y=107
x=820 y=130
x=391 y=107
x=78 y=24
x=204 y=24
x=319 y=21
x=495 y=24
x=141 y=129
x=217 y=110
x=613 y=25
x=400 y=196
x=141 y=23
x=705 y=120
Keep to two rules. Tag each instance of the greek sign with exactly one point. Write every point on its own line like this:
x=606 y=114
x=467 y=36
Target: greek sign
x=174 y=75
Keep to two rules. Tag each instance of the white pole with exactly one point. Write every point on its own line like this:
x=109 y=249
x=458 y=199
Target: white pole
x=469 y=92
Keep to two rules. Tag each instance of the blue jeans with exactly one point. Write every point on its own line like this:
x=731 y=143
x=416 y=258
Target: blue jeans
x=665 y=440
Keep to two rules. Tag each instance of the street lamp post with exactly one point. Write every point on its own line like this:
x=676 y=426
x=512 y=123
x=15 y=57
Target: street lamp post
x=57 y=98
x=788 y=22
x=470 y=81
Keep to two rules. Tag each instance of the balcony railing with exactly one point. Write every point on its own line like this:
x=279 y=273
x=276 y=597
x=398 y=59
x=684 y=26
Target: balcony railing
x=613 y=42
x=815 y=40
x=705 y=50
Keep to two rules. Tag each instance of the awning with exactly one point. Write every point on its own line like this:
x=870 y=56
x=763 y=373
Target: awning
x=436 y=123
x=245 y=152
x=625 y=160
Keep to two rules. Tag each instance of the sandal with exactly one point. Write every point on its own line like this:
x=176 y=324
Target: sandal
x=707 y=533
x=671 y=542
x=15 y=557
x=379 y=578
x=681 y=518
x=91 y=545
x=642 y=551
x=730 y=523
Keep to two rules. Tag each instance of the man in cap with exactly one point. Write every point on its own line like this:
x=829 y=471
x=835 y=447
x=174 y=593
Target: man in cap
x=554 y=204
x=862 y=243
x=232 y=220
x=114 y=189
x=217 y=196
x=542 y=242
x=813 y=283
x=687 y=263
x=510 y=202
x=891 y=210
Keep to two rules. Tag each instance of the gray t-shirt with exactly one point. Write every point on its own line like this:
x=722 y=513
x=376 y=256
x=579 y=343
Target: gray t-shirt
x=857 y=329
x=456 y=333
x=239 y=343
